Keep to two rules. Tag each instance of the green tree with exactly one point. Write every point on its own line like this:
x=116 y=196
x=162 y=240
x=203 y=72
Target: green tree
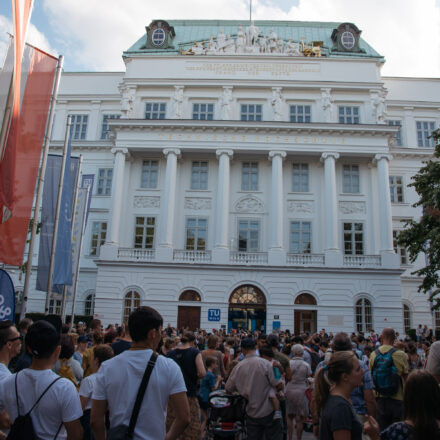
x=424 y=235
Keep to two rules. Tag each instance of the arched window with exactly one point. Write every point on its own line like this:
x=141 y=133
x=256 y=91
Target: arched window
x=364 y=318
x=247 y=295
x=437 y=319
x=406 y=318
x=305 y=298
x=132 y=300
x=89 y=305
x=18 y=297
x=55 y=306
x=189 y=295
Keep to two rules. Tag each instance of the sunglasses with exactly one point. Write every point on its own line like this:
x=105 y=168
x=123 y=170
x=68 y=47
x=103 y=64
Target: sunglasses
x=15 y=339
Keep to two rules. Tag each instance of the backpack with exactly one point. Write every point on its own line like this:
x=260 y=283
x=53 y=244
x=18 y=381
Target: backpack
x=67 y=372
x=385 y=377
x=314 y=357
x=23 y=428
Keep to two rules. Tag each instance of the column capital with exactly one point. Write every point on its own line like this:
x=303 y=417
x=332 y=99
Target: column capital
x=378 y=157
x=219 y=153
x=330 y=154
x=175 y=151
x=275 y=153
x=123 y=150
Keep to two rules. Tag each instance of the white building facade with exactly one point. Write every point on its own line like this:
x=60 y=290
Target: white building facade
x=248 y=177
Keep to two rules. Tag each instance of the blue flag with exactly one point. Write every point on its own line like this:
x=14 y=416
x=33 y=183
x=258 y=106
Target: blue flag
x=7 y=297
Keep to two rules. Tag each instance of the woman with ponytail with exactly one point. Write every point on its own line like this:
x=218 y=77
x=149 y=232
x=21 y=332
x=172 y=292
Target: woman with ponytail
x=421 y=411
x=333 y=385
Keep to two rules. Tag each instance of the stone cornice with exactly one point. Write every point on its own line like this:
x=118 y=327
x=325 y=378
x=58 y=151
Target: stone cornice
x=412 y=153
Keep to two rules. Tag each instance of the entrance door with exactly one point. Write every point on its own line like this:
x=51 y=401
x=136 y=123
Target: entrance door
x=188 y=317
x=305 y=321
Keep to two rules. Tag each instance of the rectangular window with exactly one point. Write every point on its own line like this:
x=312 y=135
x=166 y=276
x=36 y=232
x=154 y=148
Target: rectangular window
x=300 y=237
x=400 y=250
x=99 y=233
x=249 y=176
x=300 y=113
x=396 y=189
x=150 y=170
x=300 y=177
x=199 y=175
x=203 y=112
x=104 y=181
x=78 y=129
x=155 y=110
x=348 y=115
x=251 y=112
x=350 y=179
x=353 y=238
x=397 y=123
x=105 y=119
x=196 y=234
x=248 y=235
x=144 y=232
x=424 y=130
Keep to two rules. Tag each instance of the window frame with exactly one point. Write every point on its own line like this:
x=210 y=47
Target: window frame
x=196 y=229
x=247 y=116
x=134 y=298
x=361 y=324
x=394 y=186
x=294 y=115
x=199 y=172
x=303 y=250
x=101 y=236
x=400 y=250
x=407 y=317
x=208 y=113
x=345 y=116
x=396 y=123
x=248 y=238
x=249 y=183
x=105 y=118
x=353 y=240
x=303 y=170
x=78 y=129
x=105 y=186
x=161 y=112
x=422 y=137
x=55 y=306
x=145 y=234
x=89 y=304
x=145 y=171
x=351 y=183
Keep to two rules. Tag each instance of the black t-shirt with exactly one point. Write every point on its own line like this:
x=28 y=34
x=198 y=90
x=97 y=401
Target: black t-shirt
x=336 y=415
x=120 y=346
x=186 y=359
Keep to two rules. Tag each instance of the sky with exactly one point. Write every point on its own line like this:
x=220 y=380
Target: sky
x=92 y=34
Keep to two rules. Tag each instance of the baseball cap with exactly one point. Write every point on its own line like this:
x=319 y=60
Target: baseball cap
x=82 y=338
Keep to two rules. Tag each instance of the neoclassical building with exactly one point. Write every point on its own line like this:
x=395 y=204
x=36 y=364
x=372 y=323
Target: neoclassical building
x=250 y=175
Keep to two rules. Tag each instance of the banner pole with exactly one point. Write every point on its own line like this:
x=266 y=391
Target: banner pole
x=40 y=187
x=57 y=215
x=75 y=286
x=75 y=200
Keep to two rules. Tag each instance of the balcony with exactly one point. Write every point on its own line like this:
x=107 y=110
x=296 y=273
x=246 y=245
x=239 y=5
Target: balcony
x=362 y=261
x=305 y=260
x=183 y=256
x=129 y=254
x=257 y=258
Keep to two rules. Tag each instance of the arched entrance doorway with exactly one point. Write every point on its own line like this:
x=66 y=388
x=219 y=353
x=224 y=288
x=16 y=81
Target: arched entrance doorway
x=247 y=309
x=305 y=318
x=188 y=317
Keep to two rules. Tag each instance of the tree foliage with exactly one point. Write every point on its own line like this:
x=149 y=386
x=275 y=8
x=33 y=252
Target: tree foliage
x=424 y=235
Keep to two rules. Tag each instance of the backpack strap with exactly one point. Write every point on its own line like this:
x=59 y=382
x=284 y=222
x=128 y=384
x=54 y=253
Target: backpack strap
x=140 y=395
x=59 y=429
x=44 y=392
x=16 y=396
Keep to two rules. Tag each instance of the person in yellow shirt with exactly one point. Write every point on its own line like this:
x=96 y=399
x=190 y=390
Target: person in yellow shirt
x=389 y=407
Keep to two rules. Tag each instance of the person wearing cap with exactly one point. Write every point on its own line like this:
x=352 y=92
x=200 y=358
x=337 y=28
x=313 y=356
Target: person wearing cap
x=254 y=379
x=80 y=348
x=58 y=413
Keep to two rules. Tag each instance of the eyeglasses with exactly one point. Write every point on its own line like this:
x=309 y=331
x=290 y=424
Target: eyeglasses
x=15 y=339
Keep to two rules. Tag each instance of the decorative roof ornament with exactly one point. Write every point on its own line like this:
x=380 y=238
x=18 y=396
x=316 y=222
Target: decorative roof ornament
x=159 y=35
x=251 y=41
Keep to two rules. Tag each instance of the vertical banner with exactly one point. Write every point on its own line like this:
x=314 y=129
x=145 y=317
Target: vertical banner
x=7 y=297
x=78 y=221
x=48 y=209
x=87 y=181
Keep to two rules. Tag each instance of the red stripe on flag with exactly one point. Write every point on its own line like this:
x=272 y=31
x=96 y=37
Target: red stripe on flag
x=19 y=167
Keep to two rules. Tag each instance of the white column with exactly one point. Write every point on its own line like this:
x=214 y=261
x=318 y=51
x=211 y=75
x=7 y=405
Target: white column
x=332 y=250
x=220 y=252
x=276 y=250
x=167 y=206
x=384 y=209
x=109 y=250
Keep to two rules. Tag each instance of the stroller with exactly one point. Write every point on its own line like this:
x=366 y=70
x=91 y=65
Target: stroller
x=226 y=416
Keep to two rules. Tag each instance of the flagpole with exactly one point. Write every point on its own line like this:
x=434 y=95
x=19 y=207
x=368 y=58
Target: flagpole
x=75 y=201
x=40 y=186
x=75 y=285
x=57 y=215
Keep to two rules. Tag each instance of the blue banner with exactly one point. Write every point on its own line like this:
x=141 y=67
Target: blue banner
x=7 y=297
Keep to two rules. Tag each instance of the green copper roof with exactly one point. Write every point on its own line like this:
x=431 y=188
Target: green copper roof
x=190 y=31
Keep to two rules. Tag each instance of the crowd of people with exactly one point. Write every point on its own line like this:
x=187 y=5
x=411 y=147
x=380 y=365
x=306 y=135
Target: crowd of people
x=148 y=382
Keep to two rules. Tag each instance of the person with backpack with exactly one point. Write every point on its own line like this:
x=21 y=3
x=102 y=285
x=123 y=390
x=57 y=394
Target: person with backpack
x=40 y=403
x=389 y=368
x=66 y=366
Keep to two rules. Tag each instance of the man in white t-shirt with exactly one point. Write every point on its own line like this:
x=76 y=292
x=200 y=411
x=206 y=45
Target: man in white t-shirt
x=60 y=405
x=10 y=346
x=118 y=379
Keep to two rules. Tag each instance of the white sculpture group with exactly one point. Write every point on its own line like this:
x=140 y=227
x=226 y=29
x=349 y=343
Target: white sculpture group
x=248 y=41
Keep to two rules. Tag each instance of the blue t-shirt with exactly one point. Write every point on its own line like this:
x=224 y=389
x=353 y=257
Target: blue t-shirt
x=206 y=386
